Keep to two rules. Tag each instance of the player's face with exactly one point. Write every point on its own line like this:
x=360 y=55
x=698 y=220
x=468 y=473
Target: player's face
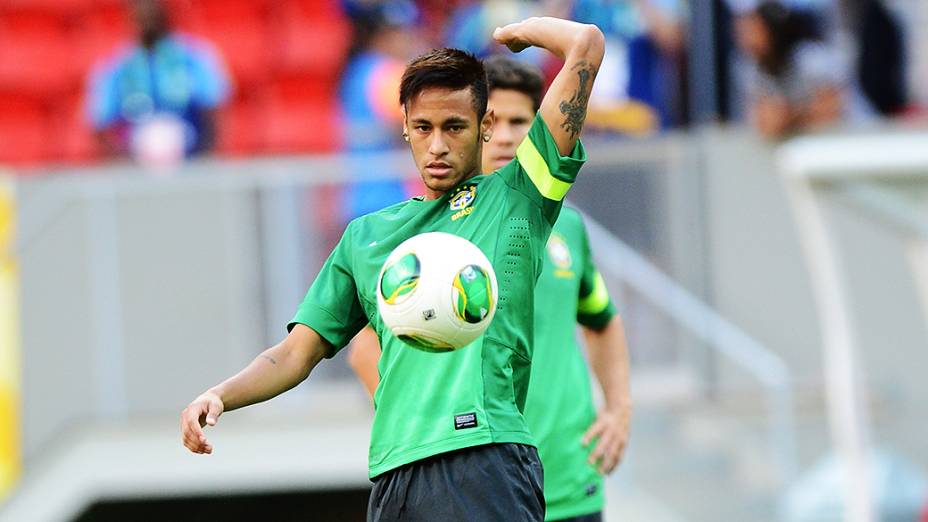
x=445 y=137
x=513 y=116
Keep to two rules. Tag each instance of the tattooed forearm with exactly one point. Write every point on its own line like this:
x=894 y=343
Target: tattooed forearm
x=574 y=109
x=269 y=358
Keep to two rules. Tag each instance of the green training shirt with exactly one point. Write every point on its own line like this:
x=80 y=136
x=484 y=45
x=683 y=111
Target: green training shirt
x=559 y=408
x=431 y=403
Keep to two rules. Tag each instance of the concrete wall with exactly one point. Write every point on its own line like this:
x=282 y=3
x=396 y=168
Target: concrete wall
x=185 y=311
x=760 y=280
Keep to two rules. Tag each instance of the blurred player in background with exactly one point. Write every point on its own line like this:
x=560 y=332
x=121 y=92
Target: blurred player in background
x=157 y=99
x=570 y=290
x=448 y=441
x=642 y=87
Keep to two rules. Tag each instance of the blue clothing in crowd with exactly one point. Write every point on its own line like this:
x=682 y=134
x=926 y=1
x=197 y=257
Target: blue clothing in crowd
x=367 y=85
x=179 y=76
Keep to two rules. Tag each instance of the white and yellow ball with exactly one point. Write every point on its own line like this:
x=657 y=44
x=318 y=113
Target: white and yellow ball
x=437 y=292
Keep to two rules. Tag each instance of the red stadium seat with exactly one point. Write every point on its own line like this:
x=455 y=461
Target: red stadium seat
x=24 y=130
x=239 y=29
x=74 y=135
x=243 y=46
x=36 y=54
x=302 y=116
x=283 y=55
x=304 y=127
x=100 y=33
x=242 y=126
x=182 y=15
x=310 y=40
x=51 y=7
x=317 y=8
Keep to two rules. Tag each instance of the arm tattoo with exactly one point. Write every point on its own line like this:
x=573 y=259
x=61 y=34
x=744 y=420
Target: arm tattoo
x=269 y=358
x=574 y=109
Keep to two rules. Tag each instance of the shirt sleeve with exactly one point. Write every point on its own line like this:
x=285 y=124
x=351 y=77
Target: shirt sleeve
x=331 y=306
x=540 y=171
x=595 y=308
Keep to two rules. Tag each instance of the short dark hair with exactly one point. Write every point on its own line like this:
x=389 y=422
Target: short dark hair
x=446 y=68
x=504 y=72
x=788 y=28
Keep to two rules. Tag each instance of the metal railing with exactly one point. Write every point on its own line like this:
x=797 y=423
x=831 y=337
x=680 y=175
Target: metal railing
x=620 y=261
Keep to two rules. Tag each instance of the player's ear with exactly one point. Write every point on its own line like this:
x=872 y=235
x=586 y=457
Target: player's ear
x=486 y=125
x=405 y=124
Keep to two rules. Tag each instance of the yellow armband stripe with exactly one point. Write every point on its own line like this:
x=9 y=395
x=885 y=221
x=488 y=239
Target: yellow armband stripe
x=598 y=299
x=536 y=167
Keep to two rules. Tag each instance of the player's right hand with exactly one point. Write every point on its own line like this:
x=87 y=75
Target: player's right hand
x=203 y=411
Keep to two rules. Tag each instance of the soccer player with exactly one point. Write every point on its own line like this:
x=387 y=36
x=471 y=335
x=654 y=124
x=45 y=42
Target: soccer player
x=575 y=445
x=448 y=441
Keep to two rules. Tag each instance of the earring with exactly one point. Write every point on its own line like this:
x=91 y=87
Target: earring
x=406 y=136
x=486 y=138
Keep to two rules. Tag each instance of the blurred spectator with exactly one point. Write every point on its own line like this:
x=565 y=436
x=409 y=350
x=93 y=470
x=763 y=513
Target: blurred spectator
x=384 y=39
x=881 y=57
x=156 y=99
x=641 y=84
x=470 y=27
x=797 y=81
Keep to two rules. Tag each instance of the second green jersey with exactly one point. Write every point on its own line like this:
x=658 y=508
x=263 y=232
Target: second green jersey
x=431 y=403
x=559 y=408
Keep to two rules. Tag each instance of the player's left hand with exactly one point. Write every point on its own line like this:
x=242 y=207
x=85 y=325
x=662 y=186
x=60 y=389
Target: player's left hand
x=508 y=35
x=610 y=431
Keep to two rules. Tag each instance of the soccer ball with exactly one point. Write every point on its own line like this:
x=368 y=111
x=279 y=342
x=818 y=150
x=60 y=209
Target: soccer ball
x=437 y=292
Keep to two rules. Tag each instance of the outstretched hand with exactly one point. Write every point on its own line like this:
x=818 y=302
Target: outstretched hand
x=610 y=430
x=203 y=411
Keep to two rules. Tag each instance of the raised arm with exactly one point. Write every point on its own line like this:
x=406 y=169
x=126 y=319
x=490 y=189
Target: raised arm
x=581 y=47
x=275 y=371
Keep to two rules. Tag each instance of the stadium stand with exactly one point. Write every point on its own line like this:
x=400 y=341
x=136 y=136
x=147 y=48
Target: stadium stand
x=272 y=50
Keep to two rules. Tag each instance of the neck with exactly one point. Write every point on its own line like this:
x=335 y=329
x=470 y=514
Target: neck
x=149 y=40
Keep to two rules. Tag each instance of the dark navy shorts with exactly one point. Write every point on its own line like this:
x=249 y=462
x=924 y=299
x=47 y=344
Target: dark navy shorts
x=484 y=483
x=592 y=517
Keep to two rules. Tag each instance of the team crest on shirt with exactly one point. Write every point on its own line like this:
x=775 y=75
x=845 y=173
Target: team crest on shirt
x=461 y=200
x=559 y=253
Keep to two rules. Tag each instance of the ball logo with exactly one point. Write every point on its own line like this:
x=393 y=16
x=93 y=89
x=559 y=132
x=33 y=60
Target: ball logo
x=473 y=294
x=399 y=280
x=463 y=197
